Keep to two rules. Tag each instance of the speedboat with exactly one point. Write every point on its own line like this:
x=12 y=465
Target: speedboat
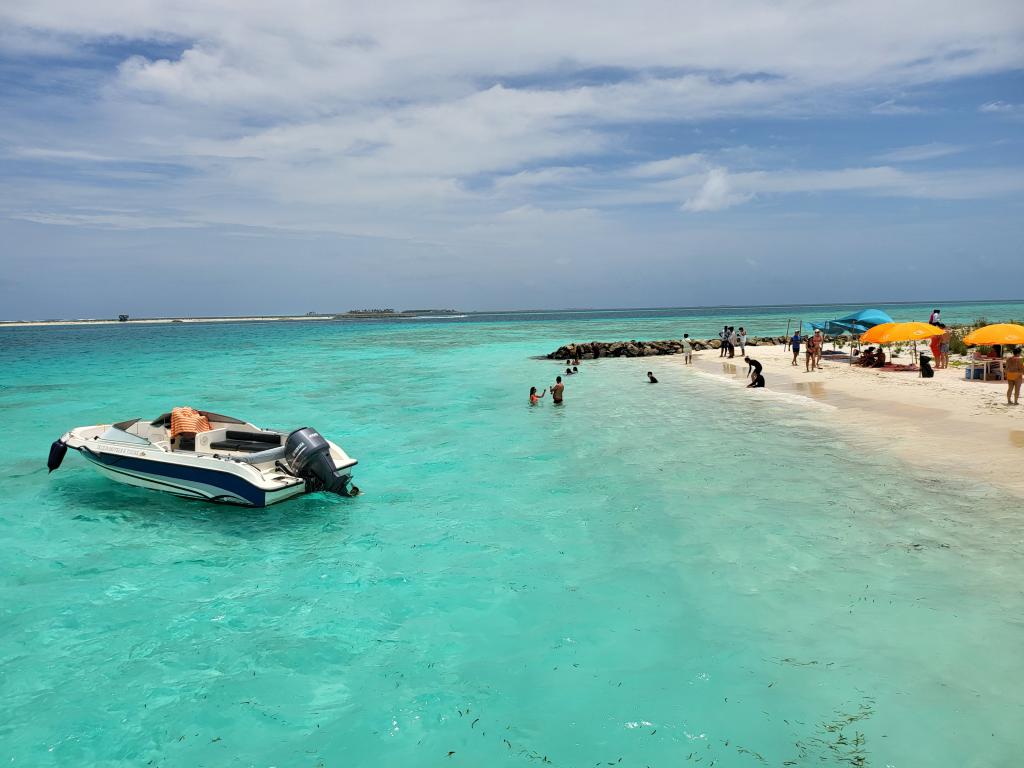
x=208 y=456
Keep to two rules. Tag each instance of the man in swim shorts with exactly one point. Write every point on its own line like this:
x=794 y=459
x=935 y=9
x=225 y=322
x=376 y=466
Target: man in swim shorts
x=557 y=389
x=795 y=343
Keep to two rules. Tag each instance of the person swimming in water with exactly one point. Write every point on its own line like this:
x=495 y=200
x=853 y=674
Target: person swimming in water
x=534 y=397
x=651 y=379
x=557 y=390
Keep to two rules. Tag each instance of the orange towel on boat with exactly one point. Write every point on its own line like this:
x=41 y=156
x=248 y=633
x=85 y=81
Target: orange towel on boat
x=188 y=421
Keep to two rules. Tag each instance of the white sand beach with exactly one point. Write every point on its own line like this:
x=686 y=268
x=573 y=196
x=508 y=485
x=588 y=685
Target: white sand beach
x=943 y=423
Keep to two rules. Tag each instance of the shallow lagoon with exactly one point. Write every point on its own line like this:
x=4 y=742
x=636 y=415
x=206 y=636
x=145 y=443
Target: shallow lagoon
x=672 y=575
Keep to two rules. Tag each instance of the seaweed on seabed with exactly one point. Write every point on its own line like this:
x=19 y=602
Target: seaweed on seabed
x=834 y=743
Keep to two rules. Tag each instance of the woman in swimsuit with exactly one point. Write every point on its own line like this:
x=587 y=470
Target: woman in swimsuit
x=1014 y=374
x=534 y=397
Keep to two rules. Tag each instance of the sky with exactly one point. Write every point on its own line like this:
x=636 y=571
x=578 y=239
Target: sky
x=207 y=157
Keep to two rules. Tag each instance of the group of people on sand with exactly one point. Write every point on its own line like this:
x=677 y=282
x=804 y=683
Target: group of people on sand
x=1013 y=365
x=812 y=345
x=730 y=339
x=872 y=357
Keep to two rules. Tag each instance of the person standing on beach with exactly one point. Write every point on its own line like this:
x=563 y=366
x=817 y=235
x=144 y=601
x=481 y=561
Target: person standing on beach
x=687 y=349
x=724 y=336
x=943 y=361
x=1014 y=374
x=732 y=341
x=819 y=344
x=935 y=342
x=557 y=390
x=809 y=359
x=795 y=343
x=742 y=337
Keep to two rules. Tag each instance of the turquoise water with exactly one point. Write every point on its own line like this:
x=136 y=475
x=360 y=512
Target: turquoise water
x=676 y=575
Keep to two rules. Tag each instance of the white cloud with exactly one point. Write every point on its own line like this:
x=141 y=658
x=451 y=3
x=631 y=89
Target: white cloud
x=61 y=155
x=920 y=152
x=1001 y=107
x=556 y=176
x=388 y=121
x=105 y=220
x=891 y=107
x=716 y=193
x=669 y=166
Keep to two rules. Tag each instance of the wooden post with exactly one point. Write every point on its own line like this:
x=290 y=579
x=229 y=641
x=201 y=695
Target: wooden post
x=788 y=321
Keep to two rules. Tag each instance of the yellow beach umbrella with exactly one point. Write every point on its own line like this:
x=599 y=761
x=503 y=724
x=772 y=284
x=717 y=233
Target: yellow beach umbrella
x=1000 y=333
x=901 y=332
x=874 y=335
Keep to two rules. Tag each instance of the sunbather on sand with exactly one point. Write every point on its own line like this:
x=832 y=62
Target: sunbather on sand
x=866 y=357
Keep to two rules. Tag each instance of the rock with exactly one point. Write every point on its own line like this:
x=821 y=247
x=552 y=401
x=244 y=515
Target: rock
x=596 y=349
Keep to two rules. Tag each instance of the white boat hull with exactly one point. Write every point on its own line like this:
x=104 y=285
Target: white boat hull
x=215 y=487
x=236 y=463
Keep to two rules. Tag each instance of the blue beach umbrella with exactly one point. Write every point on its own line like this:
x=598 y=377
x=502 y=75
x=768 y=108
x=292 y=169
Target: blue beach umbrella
x=854 y=324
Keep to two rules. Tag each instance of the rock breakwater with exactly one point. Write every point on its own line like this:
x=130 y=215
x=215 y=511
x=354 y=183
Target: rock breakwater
x=633 y=348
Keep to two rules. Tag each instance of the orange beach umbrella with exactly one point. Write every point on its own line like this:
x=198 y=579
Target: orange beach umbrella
x=874 y=335
x=881 y=334
x=1000 y=333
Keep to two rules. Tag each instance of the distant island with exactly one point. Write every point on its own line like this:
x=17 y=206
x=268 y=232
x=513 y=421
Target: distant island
x=377 y=313
x=352 y=314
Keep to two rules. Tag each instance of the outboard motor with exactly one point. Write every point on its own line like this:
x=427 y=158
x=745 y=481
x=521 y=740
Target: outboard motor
x=57 y=450
x=307 y=455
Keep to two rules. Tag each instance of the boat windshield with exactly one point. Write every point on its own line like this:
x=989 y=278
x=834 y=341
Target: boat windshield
x=116 y=435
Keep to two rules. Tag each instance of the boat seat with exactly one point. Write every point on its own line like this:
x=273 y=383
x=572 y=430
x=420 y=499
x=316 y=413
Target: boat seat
x=267 y=438
x=247 y=442
x=245 y=446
